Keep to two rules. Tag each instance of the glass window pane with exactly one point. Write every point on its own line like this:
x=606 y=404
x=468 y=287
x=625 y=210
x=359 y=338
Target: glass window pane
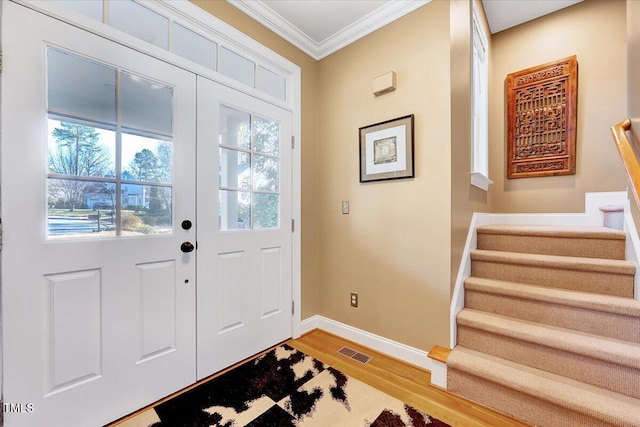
x=81 y=150
x=235 y=169
x=235 y=128
x=237 y=67
x=271 y=83
x=266 y=136
x=266 y=211
x=146 y=159
x=80 y=208
x=266 y=173
x=235 y=210
x=80 y=87
x=194 y=47
x=90 y=8
x=140 y=22
x=146 y=105
x=147 y=209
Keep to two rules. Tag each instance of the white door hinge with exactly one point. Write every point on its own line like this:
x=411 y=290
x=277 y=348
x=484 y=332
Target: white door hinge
x=293 y=142
x=0 y=59
x=293 y=225
x=293 y=308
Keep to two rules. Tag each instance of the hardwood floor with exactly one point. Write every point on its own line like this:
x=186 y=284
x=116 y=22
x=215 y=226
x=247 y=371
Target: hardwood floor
x=406 y=382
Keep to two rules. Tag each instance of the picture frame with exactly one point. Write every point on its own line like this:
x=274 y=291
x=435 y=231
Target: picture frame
x=386 y=150
x=542 y=116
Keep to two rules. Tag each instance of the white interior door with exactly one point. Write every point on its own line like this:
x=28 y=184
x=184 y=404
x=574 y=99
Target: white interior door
x=98 y=172
x=244 y=226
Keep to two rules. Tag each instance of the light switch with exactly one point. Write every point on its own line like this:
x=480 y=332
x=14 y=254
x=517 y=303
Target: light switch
x=345 y=207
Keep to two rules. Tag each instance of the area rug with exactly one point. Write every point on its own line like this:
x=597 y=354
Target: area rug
x=283 y=388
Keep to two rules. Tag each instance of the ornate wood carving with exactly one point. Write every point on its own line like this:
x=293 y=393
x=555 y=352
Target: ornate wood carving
x=541 y=120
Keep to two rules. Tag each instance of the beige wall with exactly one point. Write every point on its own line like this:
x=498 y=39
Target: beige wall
x=633 y=88
x=309 y=66
x=465 y=198
x=633 y=65
x=594 y=30
x=394 y=246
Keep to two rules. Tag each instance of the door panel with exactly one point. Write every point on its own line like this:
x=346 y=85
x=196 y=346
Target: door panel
x=244 y=231
x=98 y=317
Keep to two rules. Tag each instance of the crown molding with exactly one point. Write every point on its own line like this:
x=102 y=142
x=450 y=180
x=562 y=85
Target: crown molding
x=366 y=25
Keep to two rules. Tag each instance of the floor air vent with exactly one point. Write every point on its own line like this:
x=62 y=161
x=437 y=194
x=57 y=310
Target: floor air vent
x=352 y=354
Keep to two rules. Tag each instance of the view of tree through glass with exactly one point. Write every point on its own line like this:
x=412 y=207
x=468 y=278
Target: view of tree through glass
x=249 y=171
x=106 y=180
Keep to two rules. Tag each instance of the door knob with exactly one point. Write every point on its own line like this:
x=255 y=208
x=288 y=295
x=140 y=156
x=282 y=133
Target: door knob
x=187 y=247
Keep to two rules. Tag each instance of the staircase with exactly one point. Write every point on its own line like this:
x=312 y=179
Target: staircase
x=550 y=332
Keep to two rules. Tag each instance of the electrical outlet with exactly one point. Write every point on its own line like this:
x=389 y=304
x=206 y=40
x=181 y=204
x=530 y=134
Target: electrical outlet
x=354 y=299
x=345 y=207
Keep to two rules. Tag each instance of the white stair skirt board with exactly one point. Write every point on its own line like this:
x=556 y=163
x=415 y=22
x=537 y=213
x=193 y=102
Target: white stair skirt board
x=398 y=350
x=439 y=373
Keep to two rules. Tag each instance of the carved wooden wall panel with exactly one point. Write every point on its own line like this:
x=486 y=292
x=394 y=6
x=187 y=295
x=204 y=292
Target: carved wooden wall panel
x=541 y=120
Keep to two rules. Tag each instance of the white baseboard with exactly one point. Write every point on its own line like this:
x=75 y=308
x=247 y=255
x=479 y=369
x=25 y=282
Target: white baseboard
x=395 y=349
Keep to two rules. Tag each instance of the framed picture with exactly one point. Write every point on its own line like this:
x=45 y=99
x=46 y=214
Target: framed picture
x=386 y=150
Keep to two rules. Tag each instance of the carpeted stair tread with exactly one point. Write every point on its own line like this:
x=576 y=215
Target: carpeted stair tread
x=605 y=405
x=583 y=232
x=623 y=353
x=555 y=261
x=586 y=300
x=578 y=241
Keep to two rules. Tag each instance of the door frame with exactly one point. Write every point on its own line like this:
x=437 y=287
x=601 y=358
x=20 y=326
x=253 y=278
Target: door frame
x=191 y=16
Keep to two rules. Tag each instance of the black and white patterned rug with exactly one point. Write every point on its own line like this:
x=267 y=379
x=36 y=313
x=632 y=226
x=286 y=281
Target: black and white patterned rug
x=286 y=387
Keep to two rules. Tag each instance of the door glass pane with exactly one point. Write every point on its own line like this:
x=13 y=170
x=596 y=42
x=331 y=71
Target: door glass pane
x=80 y=87
x=77 y=208
x=235 y=210
x=146 y=159
x=249 y=160
x=140 y=22
x=194 y=47
x=147 y=209
x=265 y=173
x=235 y=128
x=266 y=136
x=130 y=144
x=235 y=169
x=146 y=105
x=81 y=150
x=266 y=212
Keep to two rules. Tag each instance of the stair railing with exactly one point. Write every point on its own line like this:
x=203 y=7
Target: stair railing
x=629 y=153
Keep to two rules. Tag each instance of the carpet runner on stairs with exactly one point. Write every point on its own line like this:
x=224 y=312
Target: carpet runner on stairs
x=550 y=332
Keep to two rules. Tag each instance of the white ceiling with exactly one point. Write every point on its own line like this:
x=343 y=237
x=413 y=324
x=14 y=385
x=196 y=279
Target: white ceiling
x=321 y=27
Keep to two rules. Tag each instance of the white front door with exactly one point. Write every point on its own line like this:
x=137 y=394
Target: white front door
x=98 y=173
x=244 y=226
